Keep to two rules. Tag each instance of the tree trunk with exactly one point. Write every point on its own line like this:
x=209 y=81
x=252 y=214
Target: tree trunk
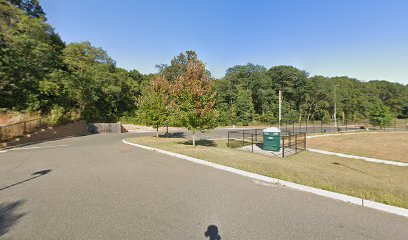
x=157 y=131
x=309 y=111
x=313 y=113
x=194 y=139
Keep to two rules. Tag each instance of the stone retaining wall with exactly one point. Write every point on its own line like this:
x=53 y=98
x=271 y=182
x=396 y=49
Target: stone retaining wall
x=106 y=128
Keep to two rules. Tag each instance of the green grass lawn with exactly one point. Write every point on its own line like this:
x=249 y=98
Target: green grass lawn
x=377 y=182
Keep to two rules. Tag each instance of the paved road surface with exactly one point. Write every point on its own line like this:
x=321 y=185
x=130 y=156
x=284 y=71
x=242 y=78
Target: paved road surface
x=95 y=187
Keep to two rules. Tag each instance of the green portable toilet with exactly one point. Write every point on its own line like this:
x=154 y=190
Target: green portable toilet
x=271 y=139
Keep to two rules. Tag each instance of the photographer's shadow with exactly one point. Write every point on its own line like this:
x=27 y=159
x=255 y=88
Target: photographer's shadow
x=212 y=233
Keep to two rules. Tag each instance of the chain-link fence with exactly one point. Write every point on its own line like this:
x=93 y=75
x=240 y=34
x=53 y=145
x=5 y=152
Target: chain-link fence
x=312 y=127
x=252 y=140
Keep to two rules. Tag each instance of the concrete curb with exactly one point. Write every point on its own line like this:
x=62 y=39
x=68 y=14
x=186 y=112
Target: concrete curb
x=367 y=159
x=333 y=195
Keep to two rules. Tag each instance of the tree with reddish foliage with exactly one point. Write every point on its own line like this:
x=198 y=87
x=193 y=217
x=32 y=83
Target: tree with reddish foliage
x=194 y=99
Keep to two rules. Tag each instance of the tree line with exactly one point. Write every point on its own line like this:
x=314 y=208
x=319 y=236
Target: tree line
x=249 y=93
x=41 y=73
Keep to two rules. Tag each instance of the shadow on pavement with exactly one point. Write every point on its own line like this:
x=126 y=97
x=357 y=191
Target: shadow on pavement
x=173 y=135
x=8 y=215
x=212 y=233
x=35 y=175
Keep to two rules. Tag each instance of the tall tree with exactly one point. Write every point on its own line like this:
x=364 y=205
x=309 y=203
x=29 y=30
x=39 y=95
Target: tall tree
x=245 y=107
x=30 y=51
x=178 y=65
x=255 y=81
x=293 y=83
x=31 y=7
x=318 y=101
x=101 y=91
x=393 y=95
x=195 y=99
x=155 y=104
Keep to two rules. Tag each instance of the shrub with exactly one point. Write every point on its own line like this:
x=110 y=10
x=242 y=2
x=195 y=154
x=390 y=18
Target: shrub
x=130 y=120
x=73 y=115
x=56 y=116
x=380 y=115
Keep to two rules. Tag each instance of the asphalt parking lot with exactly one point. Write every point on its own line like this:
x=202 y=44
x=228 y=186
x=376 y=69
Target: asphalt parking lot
x=96 y=187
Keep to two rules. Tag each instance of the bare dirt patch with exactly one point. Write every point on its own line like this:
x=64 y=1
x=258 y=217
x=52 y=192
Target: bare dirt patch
x=140 y=128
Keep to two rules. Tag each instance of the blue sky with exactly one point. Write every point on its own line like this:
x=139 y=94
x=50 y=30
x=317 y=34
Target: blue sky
x=362 y=39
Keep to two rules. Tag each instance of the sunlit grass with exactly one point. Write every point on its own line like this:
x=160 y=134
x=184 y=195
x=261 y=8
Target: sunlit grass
x=384 y=145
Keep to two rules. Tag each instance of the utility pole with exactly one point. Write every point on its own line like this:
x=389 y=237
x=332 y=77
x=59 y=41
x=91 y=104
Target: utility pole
x=335 y=107
x=280 y=108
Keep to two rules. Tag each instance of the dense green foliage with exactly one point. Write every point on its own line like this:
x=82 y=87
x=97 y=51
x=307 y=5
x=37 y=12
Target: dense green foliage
x=188 y=99
x=250 y=93
x=194 y=96
x=380 y=115
x=39 y=72
x=155 y=104
x=97 y=88
x=30 y=52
